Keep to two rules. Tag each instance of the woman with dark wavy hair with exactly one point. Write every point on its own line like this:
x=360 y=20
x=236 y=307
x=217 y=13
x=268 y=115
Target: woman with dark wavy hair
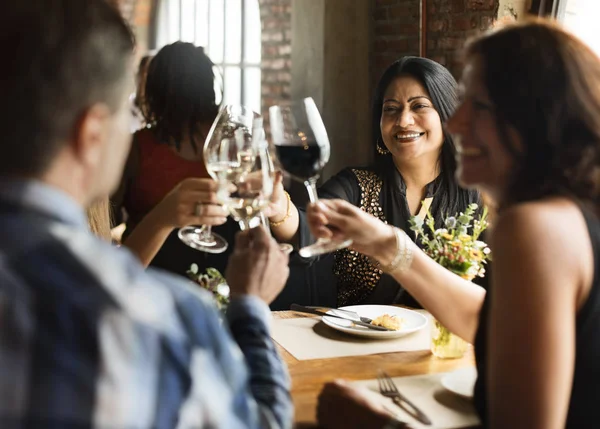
x=529 y=136
x=413 y=171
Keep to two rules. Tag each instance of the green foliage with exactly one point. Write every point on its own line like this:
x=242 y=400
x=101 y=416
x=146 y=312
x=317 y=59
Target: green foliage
x=213 y=281
x=457 y=246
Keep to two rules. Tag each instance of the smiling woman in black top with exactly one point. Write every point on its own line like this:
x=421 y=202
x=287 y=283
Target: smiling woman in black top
x=529 y=127
x=414 y=161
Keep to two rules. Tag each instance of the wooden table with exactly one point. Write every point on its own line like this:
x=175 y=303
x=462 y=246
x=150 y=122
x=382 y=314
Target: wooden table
x=309 y=376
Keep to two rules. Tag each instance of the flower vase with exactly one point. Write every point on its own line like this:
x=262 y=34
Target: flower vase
x=444 y=344
x=457 y=248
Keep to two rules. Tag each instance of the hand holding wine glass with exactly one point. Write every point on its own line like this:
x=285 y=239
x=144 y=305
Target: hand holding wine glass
x=257 y=267
x=246 y=179
x=245 y=188
x=192 y=202
x=303 y=149
x=229 y=119
x=340 y=220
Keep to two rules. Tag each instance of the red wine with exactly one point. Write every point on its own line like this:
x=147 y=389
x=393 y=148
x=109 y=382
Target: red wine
x=301 y=162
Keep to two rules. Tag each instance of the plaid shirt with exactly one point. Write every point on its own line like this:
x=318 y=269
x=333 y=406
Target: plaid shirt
x=89 y=339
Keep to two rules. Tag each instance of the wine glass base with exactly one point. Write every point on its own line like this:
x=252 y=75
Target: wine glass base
x=323 y=246
x=198 y=239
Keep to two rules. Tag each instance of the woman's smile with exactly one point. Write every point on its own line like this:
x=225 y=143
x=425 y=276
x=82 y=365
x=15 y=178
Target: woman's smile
x=408 y=136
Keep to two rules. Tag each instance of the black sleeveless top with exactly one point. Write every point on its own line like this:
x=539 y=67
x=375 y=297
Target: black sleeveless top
x=584 y=411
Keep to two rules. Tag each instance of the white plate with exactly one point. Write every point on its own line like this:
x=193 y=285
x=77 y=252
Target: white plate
x=412 y=321
x=461 y=382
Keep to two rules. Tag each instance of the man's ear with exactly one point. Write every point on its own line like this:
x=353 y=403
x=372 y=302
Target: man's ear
x=91 y=133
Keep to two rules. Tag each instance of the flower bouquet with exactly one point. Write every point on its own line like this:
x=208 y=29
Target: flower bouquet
x=457 y=248
x=213 y=281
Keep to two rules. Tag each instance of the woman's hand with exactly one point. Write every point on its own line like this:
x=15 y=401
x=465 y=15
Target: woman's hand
x=192 y=202
x=278 y=208
x=339 y=220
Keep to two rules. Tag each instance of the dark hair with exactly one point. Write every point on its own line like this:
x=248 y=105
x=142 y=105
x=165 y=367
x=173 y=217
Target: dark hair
x=543 y=83
x=442 y=88
x=63 y=56
x=179 y=93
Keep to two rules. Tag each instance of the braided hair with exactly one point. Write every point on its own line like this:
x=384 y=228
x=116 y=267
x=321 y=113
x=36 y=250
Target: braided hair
x=179 y=94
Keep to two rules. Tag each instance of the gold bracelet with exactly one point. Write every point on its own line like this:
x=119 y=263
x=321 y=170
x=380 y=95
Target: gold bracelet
x=404 y=253
x=287 y=214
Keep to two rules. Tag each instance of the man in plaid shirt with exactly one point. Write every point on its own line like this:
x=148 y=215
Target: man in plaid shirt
x=88 y=338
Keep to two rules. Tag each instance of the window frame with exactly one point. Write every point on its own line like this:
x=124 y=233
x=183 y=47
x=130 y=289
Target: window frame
x=547 y=8
x=243 y=65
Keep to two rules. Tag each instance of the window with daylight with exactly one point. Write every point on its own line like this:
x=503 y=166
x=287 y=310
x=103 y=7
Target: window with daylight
x=581 y=18
x=229 y=31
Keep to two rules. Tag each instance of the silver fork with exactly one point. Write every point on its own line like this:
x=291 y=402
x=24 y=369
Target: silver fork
x=388 y=388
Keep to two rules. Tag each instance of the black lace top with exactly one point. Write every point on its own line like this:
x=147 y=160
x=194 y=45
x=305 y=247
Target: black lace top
x=380 y=191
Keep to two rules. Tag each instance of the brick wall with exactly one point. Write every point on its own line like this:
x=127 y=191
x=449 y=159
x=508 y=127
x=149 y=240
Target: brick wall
x=276 y=22
x=449 y=24
x=138 y=13
x=127 y=8
x=395 y=32
x=140 y=18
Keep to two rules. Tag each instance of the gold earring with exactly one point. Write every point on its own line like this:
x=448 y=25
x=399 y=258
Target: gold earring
x=381 y=150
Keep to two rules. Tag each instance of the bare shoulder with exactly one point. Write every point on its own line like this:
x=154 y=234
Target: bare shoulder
x=556 y=220
x=546 y=242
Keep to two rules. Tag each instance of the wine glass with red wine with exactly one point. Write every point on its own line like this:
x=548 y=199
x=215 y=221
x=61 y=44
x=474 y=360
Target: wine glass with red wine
x=302 y=148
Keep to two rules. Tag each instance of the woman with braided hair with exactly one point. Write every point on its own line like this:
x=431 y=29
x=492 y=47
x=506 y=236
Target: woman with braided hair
x=165 y=185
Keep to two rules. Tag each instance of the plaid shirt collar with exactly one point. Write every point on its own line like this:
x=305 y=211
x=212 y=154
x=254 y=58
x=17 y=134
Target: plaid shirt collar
x=40 y=197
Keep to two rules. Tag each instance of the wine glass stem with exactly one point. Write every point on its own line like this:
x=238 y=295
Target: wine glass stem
x=265 y=223
x=311 y=187
x=206 y=232
x=244 y=224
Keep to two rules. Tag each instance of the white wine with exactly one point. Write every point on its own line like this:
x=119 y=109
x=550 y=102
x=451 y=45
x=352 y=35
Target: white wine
x=225 y=171
x=246 y=208
x=246 y=158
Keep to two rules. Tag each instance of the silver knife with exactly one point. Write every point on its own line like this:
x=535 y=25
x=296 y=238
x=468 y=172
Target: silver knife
x=303 y=309
x=348 y=312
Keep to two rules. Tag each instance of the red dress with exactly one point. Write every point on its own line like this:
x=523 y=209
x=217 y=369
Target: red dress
x=157 y=171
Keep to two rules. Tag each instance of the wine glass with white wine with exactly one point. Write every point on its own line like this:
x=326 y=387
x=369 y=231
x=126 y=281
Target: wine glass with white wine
x=245 y=181
x=244 y=170
x=231 y=119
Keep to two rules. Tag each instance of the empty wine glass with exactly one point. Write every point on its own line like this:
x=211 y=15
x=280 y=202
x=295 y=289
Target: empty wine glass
x=302 y=148
x=229 y=119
